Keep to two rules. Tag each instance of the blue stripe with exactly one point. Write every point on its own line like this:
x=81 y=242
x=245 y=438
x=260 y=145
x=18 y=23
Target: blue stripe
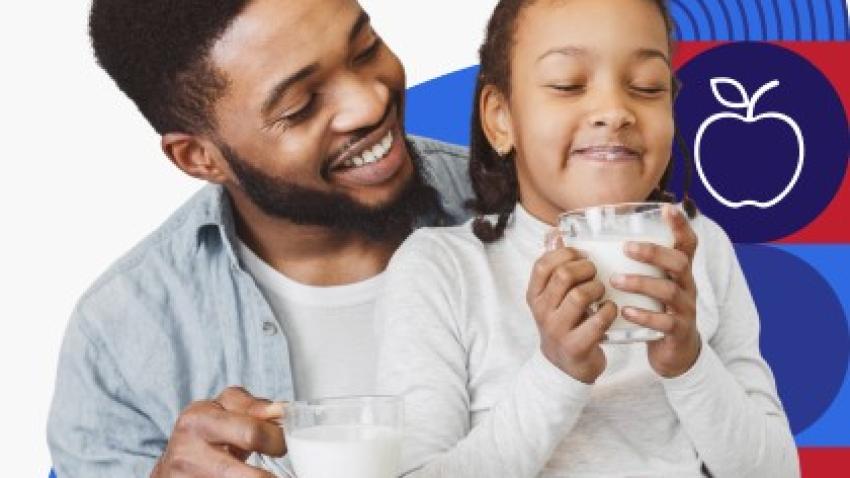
x=678 y=31
x=720 y=19
x=691 y=31
x=787 y=25
x=844 y=30
x=704 y=21
x=831 y=24
x=832 y=19
x=775 y=21
x=771 y=17
x=754 y=5
x=823 y=22
x=810 y=16
x=742 y=17
x=730 y=33
x=799 y=33
x=762 y=20
x=733 y=22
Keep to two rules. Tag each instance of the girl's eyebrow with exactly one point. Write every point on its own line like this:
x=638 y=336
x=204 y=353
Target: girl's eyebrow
x=564 y=50
x=648 y=53
x=639 y=54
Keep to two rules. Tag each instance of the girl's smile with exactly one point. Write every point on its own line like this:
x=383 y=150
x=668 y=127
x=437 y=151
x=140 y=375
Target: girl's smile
x=607 y=153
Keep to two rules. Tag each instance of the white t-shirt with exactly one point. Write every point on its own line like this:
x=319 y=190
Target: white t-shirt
x=330 y=330
x=461 y=345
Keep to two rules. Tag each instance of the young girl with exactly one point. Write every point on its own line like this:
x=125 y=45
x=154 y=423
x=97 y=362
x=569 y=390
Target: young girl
x=506 y=376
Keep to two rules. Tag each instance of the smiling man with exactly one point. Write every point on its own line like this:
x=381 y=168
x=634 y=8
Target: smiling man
x=263 y=284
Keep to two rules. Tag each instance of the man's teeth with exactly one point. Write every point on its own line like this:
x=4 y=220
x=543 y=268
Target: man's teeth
x=373 y=154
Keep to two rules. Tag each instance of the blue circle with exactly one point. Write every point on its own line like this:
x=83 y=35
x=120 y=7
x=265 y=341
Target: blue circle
x=753 y=158
x=804 y=332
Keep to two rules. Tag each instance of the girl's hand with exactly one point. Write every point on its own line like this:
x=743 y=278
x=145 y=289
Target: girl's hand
x=561 y=289
x=676 y=353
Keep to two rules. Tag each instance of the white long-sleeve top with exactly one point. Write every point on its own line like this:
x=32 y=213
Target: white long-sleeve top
x=460 y=344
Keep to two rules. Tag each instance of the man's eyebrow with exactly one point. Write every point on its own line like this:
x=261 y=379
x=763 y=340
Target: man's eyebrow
x=280 y=88
x=358 y=26
x=647 y=53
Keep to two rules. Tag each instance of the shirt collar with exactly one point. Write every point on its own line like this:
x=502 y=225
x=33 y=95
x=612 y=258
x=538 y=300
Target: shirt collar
x=527 y=231
x=216 y=219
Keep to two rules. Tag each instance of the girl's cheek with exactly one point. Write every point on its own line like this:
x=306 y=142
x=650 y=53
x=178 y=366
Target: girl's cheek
x=555 y=130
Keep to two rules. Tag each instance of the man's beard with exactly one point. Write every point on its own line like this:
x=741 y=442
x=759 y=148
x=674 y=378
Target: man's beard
x=306 y=206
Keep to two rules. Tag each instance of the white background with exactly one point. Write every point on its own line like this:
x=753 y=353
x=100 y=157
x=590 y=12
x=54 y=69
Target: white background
x=83 y=179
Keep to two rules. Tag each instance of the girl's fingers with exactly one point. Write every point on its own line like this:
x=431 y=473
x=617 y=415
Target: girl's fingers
x=575 y=305
x=590 y=333
x=684 y=237
x=664 y=290
x=562 y=279
x=672 y=261
x=543 y=268
x=660 y=321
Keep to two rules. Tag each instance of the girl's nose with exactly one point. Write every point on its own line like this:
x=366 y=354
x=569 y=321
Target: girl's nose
x=611 y=113
x=613 y=118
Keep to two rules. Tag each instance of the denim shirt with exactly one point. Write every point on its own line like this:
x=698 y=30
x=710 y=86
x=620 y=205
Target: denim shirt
x=178 y=319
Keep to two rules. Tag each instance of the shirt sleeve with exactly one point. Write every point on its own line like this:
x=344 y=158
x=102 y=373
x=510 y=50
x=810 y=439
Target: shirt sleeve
x=93 y=429
x=727 y=402
x=423 y=359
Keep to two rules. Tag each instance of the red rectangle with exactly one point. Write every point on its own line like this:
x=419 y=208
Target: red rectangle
x=825 y=462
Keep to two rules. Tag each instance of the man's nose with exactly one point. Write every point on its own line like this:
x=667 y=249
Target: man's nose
x=362 y=104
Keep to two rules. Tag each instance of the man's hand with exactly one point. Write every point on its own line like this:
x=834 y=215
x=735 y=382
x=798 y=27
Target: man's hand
x=213 y=438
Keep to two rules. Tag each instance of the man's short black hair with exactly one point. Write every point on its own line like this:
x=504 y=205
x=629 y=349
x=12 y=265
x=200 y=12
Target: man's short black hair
x=157 y=51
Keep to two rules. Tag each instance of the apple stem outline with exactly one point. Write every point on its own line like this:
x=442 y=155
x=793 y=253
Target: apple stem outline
x=764 y=89
x=749 y=104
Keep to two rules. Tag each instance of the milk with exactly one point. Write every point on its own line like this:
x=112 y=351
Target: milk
x=608 y=254
x=352 y=451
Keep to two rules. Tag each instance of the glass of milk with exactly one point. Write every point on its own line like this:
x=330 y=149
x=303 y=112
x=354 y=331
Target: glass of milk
x=601 y=232
x=355 y=437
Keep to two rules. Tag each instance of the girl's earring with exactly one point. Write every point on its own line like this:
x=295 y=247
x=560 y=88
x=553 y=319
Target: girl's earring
x=504 y=151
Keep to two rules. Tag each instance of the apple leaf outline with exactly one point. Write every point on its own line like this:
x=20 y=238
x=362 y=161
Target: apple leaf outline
x=715 y=88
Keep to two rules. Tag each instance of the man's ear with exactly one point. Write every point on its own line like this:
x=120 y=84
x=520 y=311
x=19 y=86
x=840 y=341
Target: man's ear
x=195 y=156
x=496 y=120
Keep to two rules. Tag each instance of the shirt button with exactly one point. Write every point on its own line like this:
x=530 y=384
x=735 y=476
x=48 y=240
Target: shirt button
x=269 y=328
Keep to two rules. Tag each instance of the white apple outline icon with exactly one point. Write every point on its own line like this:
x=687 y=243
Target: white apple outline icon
x=749 y=104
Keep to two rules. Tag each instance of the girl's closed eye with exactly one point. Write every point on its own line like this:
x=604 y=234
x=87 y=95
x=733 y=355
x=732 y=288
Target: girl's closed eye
x=567 y=88
x=650 y=89
x=573 y=88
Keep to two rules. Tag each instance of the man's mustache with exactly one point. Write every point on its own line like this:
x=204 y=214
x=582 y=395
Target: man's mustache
x=358 y=135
